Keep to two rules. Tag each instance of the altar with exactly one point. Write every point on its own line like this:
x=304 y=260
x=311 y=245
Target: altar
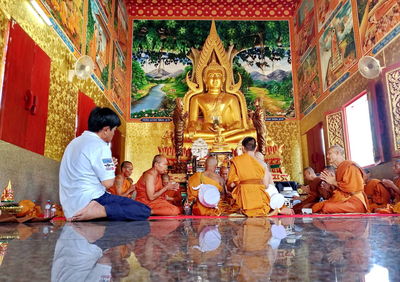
x=213 y=117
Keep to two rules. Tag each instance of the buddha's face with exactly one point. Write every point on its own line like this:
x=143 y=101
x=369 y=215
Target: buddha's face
x=214 y=80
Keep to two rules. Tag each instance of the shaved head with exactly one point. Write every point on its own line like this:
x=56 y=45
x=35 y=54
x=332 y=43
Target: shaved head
x=158 y=159
x=309 y=169
x=224 y=172
x=330 y=168
x=338 y=149
x=309 y=174
x=396 y=166
x=335 y=155
x=211 y=163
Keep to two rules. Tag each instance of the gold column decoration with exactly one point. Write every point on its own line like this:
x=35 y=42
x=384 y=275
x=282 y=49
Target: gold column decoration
x=393 y=90
x=288 y=134
x=3 y=41
x=334 y=123
x=142 y=142
x=304 y=147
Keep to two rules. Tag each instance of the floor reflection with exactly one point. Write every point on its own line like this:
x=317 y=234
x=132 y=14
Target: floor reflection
x=236 y=249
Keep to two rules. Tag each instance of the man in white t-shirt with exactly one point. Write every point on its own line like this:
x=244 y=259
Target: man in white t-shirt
x=87 y=170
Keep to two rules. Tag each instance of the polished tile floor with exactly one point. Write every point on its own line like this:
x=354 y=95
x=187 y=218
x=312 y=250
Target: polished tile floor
x=235 y=249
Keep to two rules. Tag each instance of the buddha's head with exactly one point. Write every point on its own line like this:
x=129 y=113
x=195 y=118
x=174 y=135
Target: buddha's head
x=214 y=76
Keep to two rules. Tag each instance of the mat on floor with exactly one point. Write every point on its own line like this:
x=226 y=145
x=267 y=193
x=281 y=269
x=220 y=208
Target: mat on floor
x=276 y=216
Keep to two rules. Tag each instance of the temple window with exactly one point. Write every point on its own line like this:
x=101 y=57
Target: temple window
x=359 y=131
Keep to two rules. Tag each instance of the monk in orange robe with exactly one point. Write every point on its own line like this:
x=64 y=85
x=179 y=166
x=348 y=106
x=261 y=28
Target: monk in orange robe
x=394 y=186
x=349 y=196
x=246 y=176
x=378 y=195
x=318 y=189
x=174 y=197
x=151 y=192
x=122 y=184
x=207 y=177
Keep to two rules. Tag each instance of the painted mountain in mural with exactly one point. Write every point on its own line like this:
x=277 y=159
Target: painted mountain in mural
x=158 y=74
x=161 y=74
x=278 y=75
x=160 y=63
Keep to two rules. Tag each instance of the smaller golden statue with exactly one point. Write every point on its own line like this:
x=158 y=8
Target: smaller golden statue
x=8 y=193
x=258 y=117
x=219 y=140
x=179 y=118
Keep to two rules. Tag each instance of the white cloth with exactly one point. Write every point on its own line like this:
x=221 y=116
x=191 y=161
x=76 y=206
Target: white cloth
x=86 y=162
x=75 y=259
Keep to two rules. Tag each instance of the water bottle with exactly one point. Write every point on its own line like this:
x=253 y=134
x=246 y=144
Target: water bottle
x=186 y=208
x=53 y=211
x=47 y=209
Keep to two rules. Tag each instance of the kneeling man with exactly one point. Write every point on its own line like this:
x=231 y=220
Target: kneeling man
x=87 y=170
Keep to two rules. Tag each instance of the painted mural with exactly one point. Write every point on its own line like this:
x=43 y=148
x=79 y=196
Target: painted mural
x=376 y=19
x=106 y=6
x=325 y=9
x=98 y=42
x=69 y=15
x=305 y=36
x=302 y=13
x=337 y=45
x=309 y=83
x=121 y=26
x=118 y=74
x=160 y=62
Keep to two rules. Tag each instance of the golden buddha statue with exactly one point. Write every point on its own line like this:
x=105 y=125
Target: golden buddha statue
x=217 y=109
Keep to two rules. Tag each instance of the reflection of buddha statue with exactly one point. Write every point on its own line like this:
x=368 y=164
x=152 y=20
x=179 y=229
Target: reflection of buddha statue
x=214 y=101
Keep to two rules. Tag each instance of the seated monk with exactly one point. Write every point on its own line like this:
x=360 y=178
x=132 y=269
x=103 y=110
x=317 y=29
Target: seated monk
x=173 y=196
x=223 y=172
x=317 y=190
x=394 y=186
x=151 y=192
x=207 y=177
x=349 y=196
x=378 y=195
x=249 y=178
x=122 y=184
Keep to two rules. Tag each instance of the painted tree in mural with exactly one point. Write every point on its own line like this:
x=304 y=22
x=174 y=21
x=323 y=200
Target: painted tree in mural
x=257 y=44
x=170 y=41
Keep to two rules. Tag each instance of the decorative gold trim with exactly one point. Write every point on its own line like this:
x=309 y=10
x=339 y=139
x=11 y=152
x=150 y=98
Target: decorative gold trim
x=334 y=123
x=393 y=92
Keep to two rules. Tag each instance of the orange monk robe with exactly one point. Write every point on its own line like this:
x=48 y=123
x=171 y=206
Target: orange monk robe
x=249 y=194
x=198 y=209
x=176 y=198
x=396 y=181
x=254 y=254
x=125 y=186
x=312 y=198
x=349 y=197
x=159 y=206
x=377 y=194
x=355 y=246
